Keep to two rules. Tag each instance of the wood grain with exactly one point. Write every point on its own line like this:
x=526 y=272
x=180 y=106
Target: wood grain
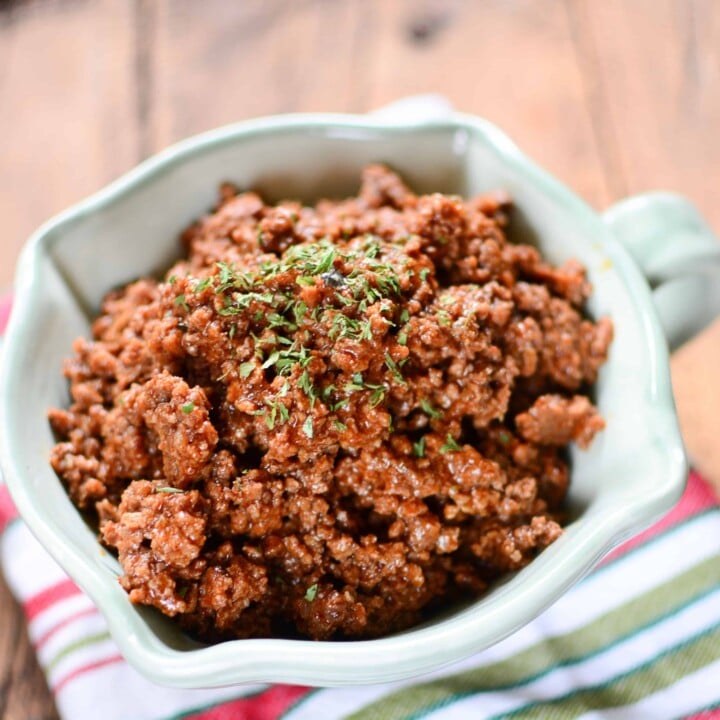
x=218 y=62
x=613 y=97
x=655 y=65
x=67 y=110
x=23 y=693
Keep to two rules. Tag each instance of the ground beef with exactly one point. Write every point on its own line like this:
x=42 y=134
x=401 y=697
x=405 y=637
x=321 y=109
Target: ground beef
x=328 y=421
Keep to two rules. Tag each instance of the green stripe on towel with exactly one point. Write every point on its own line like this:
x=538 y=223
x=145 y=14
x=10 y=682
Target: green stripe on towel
x=83 y=642
x=634 y=686
x=614 y=627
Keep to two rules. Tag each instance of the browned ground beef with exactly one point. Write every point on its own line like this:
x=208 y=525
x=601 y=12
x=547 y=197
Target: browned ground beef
x=329 y=420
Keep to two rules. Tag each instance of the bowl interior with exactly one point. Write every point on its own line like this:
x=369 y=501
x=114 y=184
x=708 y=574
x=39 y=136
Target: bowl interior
x=630 y=474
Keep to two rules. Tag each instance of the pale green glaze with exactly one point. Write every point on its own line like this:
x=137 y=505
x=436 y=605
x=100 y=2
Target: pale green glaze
x=634 y=472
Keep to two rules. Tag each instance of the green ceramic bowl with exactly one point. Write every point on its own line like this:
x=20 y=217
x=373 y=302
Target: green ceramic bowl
x=633 y=473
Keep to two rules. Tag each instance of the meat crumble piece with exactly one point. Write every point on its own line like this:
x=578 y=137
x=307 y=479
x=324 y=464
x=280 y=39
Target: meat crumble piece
x=329 y=421
x=558 y=420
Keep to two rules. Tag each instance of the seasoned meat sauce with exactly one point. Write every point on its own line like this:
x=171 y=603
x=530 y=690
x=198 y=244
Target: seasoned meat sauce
x=328 y=421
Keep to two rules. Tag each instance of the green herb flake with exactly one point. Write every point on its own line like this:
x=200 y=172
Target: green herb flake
x=392 y=366
x=270 y=417
x=305 y=383
x=404 y=316
x=179 y=301
x=172 y=279
x=424 y=274
x=504 y=438
x=429 y=410
x=402 y=338
x=188 y=407
x=168 y=490
x=311 y=593
x=226 y=273
x=377 y=396
x=203 y=284
x=339 y=426
x=308 y=427
x=419 y=447
x=272 y=359
x=182 y=592
x=450 y=445
x=246 y=369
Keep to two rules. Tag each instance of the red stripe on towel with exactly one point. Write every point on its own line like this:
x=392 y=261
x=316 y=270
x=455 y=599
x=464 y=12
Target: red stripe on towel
x=8 y=511
x=85 y=612
x=268 y=705
x=84 y=669
x=712 y=714
x=41 y=601
x=698 y=496
x=5 y=307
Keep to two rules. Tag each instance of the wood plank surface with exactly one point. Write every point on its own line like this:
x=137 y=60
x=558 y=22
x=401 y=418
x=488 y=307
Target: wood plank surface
x=23 y=693
x=68 y=125
x=67 y=110
x=656 y=65
x=613 y=97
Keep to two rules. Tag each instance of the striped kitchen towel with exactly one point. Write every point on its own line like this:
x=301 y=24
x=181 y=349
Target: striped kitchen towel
x=638 y=638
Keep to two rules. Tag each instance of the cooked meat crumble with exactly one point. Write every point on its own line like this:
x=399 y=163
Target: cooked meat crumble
x=326 y=421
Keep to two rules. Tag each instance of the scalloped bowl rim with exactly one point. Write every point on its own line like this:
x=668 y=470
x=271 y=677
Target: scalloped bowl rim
x=358 y=662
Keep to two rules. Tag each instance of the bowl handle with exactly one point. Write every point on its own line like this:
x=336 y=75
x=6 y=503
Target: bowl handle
x=678 y=254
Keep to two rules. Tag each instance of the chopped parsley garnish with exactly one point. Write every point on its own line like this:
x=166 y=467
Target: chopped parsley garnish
x=393 y=368
x=429 y=410
x=246 y=369
x=188 y=407
x=168 y=490
x=504 y=438
x=419 y=447
x=377 y=395
x=277 y=411
x=273 y=299
x=424 y=274
x=203 y=284
x=450 y=445
x=179 y=301
x=357 y=383
x=311 y=593
x=308 y=427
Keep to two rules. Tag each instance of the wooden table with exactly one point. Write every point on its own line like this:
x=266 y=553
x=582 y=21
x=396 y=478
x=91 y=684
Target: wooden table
x=614 y=97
